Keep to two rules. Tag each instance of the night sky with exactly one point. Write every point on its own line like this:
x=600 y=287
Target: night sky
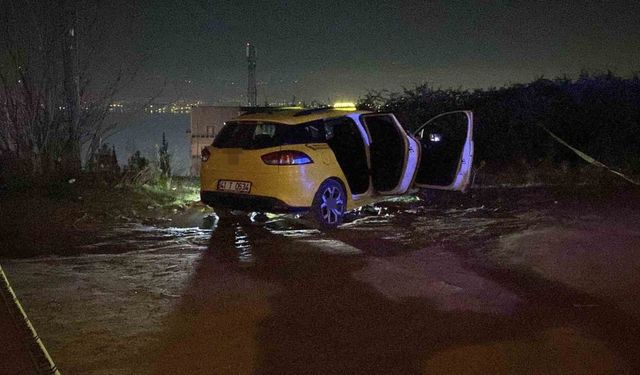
x=340 y=49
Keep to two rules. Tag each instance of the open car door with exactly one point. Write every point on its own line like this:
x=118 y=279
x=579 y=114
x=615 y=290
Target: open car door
x=393 y=154
x=447 y=151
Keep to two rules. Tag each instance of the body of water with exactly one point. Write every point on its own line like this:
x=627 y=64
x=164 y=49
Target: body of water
x=143 y=132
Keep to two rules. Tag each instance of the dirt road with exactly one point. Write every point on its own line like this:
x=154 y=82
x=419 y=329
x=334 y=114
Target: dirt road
x=501 y=282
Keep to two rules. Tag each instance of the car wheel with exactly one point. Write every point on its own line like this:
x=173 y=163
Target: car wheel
x=329 y=204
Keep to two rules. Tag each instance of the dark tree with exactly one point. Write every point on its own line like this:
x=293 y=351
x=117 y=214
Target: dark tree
x=55 y=84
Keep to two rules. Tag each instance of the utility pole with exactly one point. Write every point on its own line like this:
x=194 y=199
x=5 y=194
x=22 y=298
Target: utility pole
x=252 y=92
x=71 y=85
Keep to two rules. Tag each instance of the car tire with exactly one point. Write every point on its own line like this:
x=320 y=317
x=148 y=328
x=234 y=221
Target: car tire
x=329 y=205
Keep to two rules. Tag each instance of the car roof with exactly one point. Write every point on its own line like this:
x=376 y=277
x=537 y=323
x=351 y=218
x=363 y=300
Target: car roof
x=295 y=116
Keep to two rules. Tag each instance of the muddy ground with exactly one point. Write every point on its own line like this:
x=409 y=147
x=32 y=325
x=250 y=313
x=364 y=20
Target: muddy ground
x=501 y=281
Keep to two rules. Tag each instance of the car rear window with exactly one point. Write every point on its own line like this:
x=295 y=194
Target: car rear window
x=257 y=135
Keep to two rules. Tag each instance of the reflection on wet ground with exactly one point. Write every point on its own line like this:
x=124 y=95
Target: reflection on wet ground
x=401 y=288
x=138 y=237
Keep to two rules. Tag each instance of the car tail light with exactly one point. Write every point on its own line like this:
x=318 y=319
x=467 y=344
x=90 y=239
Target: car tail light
x=288 y=157
x=205 y=154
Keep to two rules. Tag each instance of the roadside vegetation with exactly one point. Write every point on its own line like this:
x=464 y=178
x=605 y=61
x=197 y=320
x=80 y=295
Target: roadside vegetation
x=598 y=114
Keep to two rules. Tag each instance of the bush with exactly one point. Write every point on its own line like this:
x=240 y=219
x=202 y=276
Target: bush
x=597 y=114
x=138 y=171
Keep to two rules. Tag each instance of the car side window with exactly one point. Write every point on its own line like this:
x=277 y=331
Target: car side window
x=312 y=132
x=342 y=126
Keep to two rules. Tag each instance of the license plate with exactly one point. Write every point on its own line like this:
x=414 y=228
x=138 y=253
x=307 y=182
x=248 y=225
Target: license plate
x=234 y=186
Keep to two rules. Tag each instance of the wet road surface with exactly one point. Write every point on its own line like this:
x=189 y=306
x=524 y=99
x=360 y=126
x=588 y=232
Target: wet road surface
x=403 y=288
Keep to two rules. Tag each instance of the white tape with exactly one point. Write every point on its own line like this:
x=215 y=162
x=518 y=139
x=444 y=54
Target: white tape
x=40 y=358
x=588 y=158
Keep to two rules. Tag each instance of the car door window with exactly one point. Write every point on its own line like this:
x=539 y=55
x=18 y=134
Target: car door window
x=345 y=140
x=447 y=151
x=388 y=151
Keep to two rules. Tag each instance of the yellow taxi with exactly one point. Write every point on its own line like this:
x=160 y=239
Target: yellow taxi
x=326 y=161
